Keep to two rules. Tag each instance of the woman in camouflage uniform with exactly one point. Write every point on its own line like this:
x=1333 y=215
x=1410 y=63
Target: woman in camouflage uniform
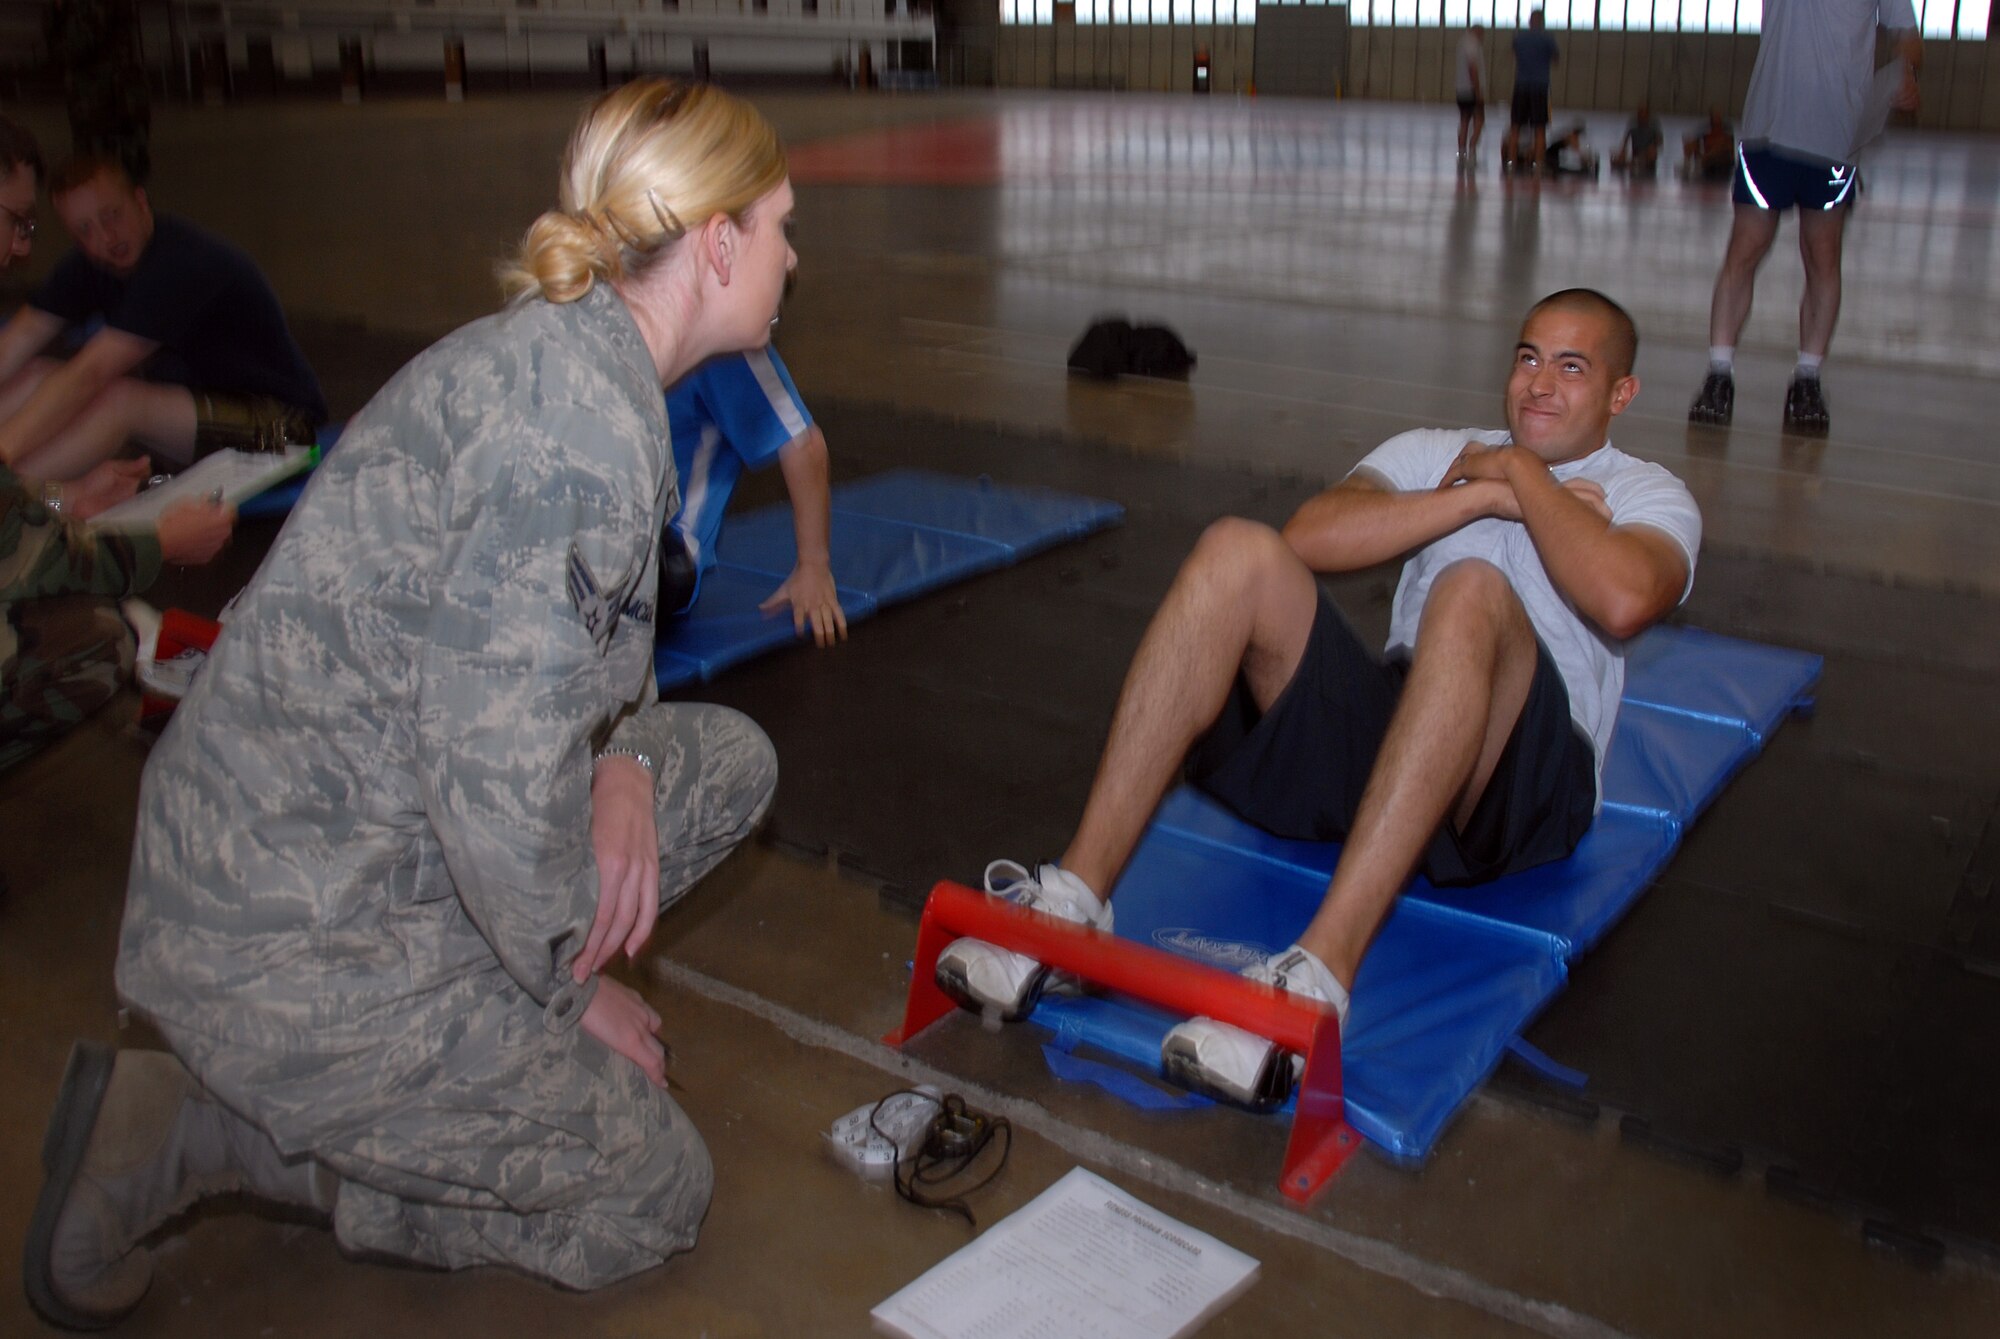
x=422 y=791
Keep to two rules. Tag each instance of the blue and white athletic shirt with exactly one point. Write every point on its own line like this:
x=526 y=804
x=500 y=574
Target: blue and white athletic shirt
x=737 y=410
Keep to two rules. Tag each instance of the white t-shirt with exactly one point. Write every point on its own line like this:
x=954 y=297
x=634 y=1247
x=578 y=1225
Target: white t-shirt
x=1591 y=663
x=1815 y=65
x=1471 y=60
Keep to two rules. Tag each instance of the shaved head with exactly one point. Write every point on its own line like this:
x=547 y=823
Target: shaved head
x=1623 y=347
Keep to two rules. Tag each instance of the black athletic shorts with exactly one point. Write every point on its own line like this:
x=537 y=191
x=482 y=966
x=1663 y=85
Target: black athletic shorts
x=1776 y=181
x=1531 y=106
x=1468 y=105
x=1298 y=770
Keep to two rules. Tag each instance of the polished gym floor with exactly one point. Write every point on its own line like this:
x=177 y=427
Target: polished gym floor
x=1787 y=1124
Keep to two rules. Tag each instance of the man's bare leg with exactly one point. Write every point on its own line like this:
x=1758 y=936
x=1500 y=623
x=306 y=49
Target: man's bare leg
x=14 y=392
x=1242 y=601
x=1475 y=660
x=1820 y=233
x=1750 y=238
x=159 y=417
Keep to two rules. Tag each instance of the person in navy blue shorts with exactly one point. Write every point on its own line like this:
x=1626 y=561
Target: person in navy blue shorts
x=1804 y=120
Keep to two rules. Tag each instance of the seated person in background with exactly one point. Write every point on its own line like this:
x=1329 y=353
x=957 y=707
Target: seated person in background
x=737 y=410
x=1710 y=153
x=1474 y=751
x=64 y=648
x=1570 y=153
x=189 y=354
x=1639 y=152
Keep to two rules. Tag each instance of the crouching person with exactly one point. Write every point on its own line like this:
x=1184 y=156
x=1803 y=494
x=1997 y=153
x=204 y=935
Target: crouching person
x=422 y=792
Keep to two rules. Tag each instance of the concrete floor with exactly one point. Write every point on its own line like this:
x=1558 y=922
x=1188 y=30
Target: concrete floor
x=1339 y=282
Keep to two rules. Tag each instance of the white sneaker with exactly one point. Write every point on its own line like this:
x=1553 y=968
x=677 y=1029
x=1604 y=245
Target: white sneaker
x=1226 y=1062
x=990 y=979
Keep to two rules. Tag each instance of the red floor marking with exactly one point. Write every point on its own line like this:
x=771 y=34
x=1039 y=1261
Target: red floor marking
x=963 y=153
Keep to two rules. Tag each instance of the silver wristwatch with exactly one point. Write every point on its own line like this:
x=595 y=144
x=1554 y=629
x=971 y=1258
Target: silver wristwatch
x=644 y=760
x=52 y=496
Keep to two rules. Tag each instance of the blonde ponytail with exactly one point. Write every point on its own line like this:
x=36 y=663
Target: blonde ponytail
x=646 y=162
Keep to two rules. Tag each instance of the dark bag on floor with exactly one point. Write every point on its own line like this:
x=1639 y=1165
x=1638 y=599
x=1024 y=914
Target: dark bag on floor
x=1114 y=347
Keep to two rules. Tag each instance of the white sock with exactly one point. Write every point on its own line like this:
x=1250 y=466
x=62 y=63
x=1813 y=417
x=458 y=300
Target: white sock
x=1722 y=357
x=1809 y=364
x=1325 y=981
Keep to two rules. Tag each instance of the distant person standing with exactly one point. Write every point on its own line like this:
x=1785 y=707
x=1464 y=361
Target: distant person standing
x=1535 y=55
x=1471 y=88
x=1804 y=119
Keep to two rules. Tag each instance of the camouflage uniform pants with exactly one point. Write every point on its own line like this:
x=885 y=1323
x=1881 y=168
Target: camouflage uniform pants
x=75 y=652
x=544 y=1151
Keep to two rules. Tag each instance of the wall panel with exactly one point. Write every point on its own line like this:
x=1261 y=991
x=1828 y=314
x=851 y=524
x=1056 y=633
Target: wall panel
x=1162 y=67
x=1968 y=85
x=1381 y=53
x=1989 y=100
x=1403 y=65
x=1433 y=82
x=1579 y=70
x=1611 y=72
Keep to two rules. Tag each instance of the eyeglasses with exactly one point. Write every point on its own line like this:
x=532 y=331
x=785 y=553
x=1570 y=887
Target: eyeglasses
x=23 y=224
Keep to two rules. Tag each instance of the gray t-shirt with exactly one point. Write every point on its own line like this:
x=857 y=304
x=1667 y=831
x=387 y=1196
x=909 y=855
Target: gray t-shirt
x=1591 y=663
x=1810 y=86
x=1534 y=54
x=1471 y=67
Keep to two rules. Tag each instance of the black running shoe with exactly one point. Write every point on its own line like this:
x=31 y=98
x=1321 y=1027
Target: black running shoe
x=1717 y=400
x=1805 y=408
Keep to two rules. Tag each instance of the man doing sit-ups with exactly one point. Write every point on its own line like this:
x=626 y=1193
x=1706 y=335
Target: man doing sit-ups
x=1473 y=751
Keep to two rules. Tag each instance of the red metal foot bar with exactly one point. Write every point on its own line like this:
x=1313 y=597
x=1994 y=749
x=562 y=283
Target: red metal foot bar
x=1321 y=1138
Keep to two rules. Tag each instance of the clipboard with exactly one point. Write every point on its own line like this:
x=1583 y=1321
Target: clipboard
x=235 y=474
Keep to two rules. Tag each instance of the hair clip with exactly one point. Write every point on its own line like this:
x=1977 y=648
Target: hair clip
x=668 y=219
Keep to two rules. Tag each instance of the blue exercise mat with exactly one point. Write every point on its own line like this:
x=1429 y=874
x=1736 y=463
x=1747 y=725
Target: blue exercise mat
x=1699 y=673
x=726 y=627
x=895 y=536
x=1439 y=996
x=891 y=560
x=1022 y=520
x=1455 y=973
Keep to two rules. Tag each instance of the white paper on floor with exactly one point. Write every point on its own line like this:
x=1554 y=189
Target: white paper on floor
x=1082 y=1258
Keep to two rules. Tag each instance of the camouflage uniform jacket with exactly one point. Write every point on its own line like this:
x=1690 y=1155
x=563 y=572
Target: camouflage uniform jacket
x=373 y=810
x=41 y=554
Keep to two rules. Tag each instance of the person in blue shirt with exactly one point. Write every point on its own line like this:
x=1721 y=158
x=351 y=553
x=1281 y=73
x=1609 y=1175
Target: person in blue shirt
x=185 y=349
x=1535 y=55
x=743 y=410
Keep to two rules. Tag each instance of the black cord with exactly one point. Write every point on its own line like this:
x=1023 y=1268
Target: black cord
x=955 y=1141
